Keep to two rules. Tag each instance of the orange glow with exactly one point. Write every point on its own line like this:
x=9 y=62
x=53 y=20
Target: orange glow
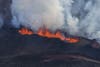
x=47 y=33
x=72 y=40
x=25 y=31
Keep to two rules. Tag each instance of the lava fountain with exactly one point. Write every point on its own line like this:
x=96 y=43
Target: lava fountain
x=47 y=33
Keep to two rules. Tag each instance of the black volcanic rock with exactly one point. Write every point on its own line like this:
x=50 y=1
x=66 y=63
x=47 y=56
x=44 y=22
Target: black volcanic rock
x=27 y=50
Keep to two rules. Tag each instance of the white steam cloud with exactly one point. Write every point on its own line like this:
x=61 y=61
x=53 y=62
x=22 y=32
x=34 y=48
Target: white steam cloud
x=38 y=13
x=91 y=22
x=77 y=17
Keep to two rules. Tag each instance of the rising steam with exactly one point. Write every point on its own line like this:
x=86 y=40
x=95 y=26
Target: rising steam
x=38 y=13
x=77 y=17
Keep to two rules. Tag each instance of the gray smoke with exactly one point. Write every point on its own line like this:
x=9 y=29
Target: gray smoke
x=77 y=17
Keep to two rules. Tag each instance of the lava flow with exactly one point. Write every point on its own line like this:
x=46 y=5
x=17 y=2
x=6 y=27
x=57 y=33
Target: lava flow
x=47 y=33
x=25 y=31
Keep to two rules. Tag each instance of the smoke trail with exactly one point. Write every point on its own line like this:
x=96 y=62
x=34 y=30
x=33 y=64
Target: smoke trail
x=77 y=17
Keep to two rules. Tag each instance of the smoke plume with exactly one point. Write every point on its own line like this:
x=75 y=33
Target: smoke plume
x=77 y=17
x=38 y=13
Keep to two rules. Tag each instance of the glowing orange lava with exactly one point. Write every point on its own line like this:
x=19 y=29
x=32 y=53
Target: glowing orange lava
x=25 y=31
x=47 y=33
x=72 y=40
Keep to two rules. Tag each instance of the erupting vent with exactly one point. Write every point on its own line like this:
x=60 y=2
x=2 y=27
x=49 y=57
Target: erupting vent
x=47 y=33
x=25 y=31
